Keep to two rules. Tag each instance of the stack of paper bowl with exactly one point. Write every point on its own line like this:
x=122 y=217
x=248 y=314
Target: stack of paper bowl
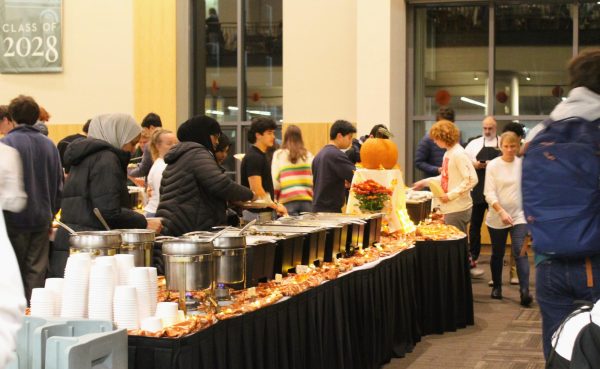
x=100 y=299
x=167 y=311
x=42 y=303
x=125 y=262
x=153 y=275
x=125 y=307
x=55 y=285
x=140 y=279
x=152 y=324
x=75 y=288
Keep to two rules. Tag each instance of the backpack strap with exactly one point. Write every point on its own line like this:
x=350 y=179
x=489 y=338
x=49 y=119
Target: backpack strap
x=588 y=272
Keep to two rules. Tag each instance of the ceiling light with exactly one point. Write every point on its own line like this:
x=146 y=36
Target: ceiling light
x=528 y=77
x=475 y=77
x=471 y=101
x=215 y=112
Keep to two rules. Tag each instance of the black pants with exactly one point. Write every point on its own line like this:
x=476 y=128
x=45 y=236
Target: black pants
x=475 y=230
x=31 y=249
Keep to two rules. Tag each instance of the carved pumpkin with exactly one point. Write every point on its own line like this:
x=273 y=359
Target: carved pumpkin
x=376 y=152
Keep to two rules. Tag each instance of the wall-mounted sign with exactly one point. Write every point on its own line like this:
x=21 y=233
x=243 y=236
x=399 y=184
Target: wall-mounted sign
x=30 y=36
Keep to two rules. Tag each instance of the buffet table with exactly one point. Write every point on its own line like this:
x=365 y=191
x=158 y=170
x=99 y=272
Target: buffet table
x=360 y=320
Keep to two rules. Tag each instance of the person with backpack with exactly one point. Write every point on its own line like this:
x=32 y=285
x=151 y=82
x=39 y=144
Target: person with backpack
x=561 y=198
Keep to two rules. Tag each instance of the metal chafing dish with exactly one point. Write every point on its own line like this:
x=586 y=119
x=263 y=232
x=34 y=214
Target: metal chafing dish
x=288 y=249
x=313 y=250
x=260 y=258
x=363 y=237
x=354 y=230
x=96 y=243
x=139 y=243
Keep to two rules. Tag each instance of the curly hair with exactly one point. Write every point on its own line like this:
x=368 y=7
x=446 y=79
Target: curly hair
x=445 y=131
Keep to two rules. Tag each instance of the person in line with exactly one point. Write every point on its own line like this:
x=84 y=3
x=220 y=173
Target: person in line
x=354 y=151
x=292 y=174
x=562 y=281
x=480 y=150
x=6 y=122
x=41 y=124
x=29 y=229
x=222 y=149
x=457 y=179
x=503 y=194
x=150 y=123
x=194 y=190
x=65 y=142
x=161 y=142
x=429 y=156
x=332 y=170
x=98 y=179
x=256 y=166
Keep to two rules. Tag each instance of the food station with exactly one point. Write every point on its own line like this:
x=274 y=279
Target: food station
x=343 y=290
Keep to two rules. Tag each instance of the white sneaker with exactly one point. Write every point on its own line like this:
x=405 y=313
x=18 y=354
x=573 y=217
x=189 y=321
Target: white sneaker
x=514 y=280
x=477 y=272
x=491 y=283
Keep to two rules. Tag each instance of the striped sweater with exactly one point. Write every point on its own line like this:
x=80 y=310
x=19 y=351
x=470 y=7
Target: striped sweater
x=292 y=182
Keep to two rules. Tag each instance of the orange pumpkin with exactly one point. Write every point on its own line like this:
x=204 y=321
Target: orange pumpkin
x=379 y=152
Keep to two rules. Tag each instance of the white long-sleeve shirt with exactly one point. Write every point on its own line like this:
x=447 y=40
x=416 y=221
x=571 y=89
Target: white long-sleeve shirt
x=503 y=186
x=12 y=303
x=12 y=194
x=461 y=179
x=154 y=179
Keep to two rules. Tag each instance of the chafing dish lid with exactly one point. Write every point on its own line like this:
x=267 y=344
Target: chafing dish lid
x=187 y=246
x=95 y=239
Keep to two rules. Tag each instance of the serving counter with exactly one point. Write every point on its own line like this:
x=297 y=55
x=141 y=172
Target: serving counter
x=362 y=319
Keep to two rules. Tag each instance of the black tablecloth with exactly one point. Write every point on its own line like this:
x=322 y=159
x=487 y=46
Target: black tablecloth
x=360 y=320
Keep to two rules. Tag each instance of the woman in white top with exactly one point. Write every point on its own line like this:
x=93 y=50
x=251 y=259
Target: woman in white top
x=160 y=143
x=503 y=193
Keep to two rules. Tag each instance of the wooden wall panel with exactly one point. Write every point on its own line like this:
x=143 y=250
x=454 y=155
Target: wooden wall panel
x=57 y=132
x=315 y=135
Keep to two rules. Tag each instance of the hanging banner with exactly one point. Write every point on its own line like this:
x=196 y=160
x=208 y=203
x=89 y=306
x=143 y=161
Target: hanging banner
x=30 y=36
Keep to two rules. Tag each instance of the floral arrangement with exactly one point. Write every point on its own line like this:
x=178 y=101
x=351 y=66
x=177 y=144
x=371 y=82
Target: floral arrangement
x=371 y=195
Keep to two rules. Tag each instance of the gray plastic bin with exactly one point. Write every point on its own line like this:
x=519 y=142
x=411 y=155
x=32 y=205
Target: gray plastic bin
x=91 y=351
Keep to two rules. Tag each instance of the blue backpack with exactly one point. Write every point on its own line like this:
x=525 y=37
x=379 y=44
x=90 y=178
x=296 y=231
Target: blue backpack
x=561 y=188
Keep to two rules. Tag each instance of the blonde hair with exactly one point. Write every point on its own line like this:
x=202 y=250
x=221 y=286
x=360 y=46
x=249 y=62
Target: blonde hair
x=155 y=140
x=445 y=131
x=510 y=138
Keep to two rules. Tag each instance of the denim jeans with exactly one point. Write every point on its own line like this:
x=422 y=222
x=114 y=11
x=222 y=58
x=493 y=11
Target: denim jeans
x=297 y=207
x=558 y=284
x=518 y=232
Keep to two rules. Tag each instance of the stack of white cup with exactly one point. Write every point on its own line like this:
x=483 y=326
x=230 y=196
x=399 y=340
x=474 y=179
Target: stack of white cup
x=152 y=274
x=125 y=307
x=140 y=279
x=109 y=260
x=152 y=324
x=100 y=299
x=42 y=303
x=167 y=311
x=55 y=285
x=125 y=262
x=76 y=284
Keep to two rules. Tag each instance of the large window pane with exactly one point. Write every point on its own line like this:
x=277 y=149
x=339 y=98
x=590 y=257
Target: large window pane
x=220 y=97
x=451 y=59
x=533 y=44
x=264 y=58
x=589 y=25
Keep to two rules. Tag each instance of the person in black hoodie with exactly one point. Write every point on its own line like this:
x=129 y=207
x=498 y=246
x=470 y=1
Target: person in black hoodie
x=98 y=179
x=194 y=190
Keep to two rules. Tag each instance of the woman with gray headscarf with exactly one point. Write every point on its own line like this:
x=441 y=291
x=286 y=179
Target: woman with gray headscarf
x=98 y=179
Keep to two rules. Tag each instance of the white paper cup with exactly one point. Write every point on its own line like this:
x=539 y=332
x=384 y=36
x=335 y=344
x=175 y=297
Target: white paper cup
x=152 y=324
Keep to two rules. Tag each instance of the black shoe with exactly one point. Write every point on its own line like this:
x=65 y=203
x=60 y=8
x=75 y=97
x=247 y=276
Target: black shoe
x=497 y=293
x=526 y=299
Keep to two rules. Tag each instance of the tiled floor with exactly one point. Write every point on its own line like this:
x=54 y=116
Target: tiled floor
x=505 y=335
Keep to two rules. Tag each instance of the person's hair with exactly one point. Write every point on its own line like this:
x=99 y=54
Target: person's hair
x=4 y=112
x=516 y=128
x=445 y=131
x=155 y=140
x=86 y=126
x=292 y=141
x=584 y=70
x=151 y=120
x=212 y=11
x=223 y=144
x=510 y=137
x=375 y=131
x=260 y=125
x=44 y=115
x=341 y=126
x=445 y=113
x=24 y=110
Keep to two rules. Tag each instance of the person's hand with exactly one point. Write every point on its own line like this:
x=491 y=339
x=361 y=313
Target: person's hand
x=155 y=225
x=149 y=191
x=281 y=210
x=347 y=184
x=480 y=165
x=420 y=184
x=444 y=198
x=138 y=181
x=506 y=218
x=440 y=170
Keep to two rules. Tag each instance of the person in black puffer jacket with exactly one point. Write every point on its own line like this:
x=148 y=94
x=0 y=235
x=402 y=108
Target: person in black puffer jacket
x=98 y=179
x=194 y=190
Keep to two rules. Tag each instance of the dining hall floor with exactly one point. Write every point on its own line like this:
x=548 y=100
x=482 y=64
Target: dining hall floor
x=505 y=335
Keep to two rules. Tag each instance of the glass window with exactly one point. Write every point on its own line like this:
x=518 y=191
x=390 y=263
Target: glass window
x=589 y=25
x=533 y=44
x=229 y=164
x=264 y=36
x=451 y=59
